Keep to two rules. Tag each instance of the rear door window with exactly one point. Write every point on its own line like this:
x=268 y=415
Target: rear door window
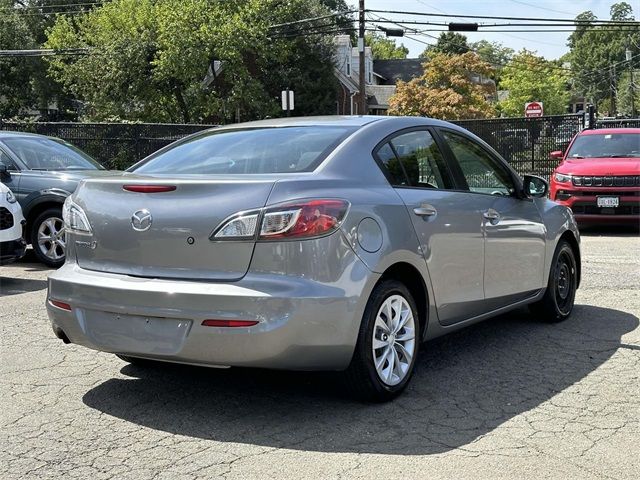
x=414 y=159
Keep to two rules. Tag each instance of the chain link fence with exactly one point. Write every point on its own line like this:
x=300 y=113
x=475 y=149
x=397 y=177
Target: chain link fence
x=527 y=142
x=524 y=142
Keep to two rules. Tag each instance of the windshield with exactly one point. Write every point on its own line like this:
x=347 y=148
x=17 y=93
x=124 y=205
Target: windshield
x=248 y=151
x=613 y=145
x=40 y=153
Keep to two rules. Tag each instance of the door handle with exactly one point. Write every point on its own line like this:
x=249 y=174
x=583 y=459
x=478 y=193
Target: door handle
x=492 y=215
x=425 y=210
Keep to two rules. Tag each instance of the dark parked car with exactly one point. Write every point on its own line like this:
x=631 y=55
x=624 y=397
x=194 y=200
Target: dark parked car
x=42 y=172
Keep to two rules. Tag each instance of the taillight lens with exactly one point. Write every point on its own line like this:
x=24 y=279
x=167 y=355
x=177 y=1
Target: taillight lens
x=302 y=220
x=241 y=226
x=74 y=218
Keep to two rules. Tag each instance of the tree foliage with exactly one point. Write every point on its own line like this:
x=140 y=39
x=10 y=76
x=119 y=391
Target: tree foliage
x=149 y=57
x=385 y=48
x=445 y=90
x=529 y=78
x=597 y=53
x=449 y=43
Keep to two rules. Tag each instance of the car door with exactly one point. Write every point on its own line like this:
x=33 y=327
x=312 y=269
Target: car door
x=512 y=225
x=12 y=178
x=448 y=228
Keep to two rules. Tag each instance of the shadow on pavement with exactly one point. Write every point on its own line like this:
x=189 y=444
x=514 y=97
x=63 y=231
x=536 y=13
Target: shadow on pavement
x=610 y=231
x=465 y=385
x=16 y=286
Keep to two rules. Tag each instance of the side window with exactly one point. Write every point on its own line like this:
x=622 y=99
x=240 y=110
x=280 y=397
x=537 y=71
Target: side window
x=482 y=172
x=392 y=164
x=421 y=159
x=4 y=158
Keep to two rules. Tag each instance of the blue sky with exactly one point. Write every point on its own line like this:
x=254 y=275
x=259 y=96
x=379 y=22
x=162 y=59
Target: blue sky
x=549 y=45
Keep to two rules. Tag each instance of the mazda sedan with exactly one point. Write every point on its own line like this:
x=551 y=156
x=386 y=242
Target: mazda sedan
x=327 y=243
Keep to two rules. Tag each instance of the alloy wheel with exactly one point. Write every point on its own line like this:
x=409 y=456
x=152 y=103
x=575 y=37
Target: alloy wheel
x=394 y=340
x=51 y=238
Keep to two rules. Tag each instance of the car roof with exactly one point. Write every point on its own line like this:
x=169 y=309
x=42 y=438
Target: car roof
x=11 y=134
x=609 y=131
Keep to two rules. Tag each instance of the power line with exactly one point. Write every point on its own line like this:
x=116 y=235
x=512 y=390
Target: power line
x=565 y=20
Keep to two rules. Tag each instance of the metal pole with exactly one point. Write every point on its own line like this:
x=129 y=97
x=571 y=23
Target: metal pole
x=632 y=92
x=361 y=85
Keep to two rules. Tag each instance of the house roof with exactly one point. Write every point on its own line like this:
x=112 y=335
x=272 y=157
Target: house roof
x=399 y=69
x=379 y=95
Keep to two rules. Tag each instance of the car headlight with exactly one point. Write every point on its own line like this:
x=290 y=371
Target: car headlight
x=562 y=178
x=11 y=198
x=75 y=220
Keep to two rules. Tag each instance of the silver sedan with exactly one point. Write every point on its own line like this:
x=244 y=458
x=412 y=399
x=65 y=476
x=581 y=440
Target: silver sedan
x=326 y=243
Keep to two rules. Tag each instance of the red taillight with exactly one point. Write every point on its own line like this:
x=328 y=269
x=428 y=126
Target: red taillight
x=303 y=219
x=229 y=323
x=59 y=304
x=149 y=188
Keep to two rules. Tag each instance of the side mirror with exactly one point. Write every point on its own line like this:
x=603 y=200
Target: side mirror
x=535 y=186
x=558 y=154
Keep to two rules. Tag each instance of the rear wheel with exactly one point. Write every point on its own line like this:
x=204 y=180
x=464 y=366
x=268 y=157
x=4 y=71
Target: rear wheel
x=558 y=300
x=48 y=237
x=387 y=346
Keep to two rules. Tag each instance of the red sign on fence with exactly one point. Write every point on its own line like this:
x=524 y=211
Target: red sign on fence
x=533 y=109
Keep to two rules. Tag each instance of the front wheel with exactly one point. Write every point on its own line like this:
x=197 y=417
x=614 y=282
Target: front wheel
x=558 y=300
x=387 y=345
x=48 y=237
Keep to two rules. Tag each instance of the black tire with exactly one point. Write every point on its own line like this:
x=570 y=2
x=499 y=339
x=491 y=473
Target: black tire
x=361 y=376
x=52 y=213
x=557 y=303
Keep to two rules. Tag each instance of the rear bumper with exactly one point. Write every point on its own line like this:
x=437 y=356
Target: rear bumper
x=303 y=324
x=12 y=251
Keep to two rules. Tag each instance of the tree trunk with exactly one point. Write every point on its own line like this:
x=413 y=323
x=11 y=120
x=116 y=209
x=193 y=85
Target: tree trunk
x=182 y=105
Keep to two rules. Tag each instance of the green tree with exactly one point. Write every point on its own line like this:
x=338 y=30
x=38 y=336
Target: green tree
x=450 y=43
x=385 y=48
x=148 y=59
x=597 y=54
x=446 y=89
x=529 y=78
x=16 y=73
x=624 y=92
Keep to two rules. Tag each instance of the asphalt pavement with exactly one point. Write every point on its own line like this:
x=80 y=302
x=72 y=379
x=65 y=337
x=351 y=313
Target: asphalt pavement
x=509 y=398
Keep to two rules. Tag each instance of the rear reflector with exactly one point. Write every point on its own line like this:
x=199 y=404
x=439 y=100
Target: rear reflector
x=149 y=188
x=62 y=305
x=229 y=323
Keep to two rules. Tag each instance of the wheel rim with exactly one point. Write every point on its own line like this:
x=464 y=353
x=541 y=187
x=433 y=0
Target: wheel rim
x=564 y=282
x=393 y=340
x=51 y=239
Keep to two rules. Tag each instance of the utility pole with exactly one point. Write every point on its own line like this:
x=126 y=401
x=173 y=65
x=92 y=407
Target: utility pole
x=628 y=56
x=362 y=110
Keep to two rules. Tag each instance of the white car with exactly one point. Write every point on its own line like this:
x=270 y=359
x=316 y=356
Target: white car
x=12 y=245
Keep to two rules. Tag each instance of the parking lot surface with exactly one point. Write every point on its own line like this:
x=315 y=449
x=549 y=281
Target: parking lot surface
x=509 y=398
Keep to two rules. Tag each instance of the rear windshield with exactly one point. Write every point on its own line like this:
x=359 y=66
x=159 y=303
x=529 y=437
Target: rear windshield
x=41 y=153
x=613 y=145
x=248 y=151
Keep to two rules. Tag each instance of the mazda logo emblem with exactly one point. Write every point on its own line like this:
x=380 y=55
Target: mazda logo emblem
x=141 y=220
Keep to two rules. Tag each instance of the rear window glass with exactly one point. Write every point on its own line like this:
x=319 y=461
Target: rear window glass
x=611 y=145
x=249 y=151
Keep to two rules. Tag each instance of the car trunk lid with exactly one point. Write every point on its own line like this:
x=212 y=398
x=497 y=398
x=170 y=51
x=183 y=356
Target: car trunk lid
x=161 y=228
